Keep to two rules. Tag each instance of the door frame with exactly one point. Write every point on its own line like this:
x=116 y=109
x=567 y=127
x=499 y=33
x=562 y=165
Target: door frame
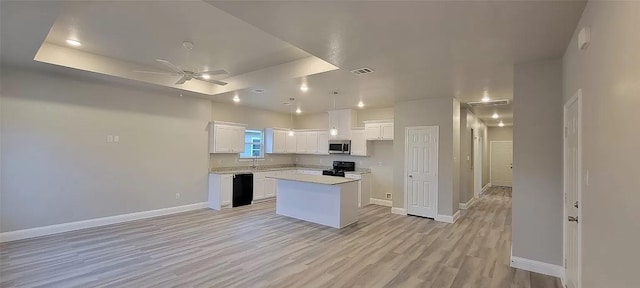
x=477 y=164
x=576 y=97
x=406 y=174
x=491 y=157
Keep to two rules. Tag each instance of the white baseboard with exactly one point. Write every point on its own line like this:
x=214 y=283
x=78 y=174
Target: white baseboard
x=465 y=206
x=399 y=211
x=484 y=189
x=381 y=202
x=537 y=266
x=65 y=227
x=447 y=218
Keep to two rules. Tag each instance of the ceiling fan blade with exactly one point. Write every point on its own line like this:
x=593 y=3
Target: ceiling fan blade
x=210 y=80
x=183 y=79
x=170 y=65
x=157 y=73
x=214 y=72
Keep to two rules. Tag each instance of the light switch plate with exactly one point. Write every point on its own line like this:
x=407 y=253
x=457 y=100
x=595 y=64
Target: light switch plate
x=116 y=138
x=109 y=138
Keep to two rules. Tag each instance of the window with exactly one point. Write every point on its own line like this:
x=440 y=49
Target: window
x=252 y=144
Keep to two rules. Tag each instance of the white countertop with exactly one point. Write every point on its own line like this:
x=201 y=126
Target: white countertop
x=318 y=179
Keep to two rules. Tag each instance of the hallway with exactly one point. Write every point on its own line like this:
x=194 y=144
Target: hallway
x=251 y=246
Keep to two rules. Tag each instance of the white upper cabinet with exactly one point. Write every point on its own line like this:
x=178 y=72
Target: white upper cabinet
x=278 y=141
x=379 y=130
x=301 y=142
x=342 y=120
x=358 y=142
x=226 y=137
x=291 y=146
x=323 y=143
x=312 y=142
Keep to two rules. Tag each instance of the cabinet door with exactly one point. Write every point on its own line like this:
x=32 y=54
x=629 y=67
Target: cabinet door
x=372 y=131
x=358 y=143
x=279 y=141
x=258 y=188
x=269 y=187
x=386 y=131
x=323 y=143
x=238 y=139
x=291 y=143
x=226 y=186
x=312 y=143
x=301 y=142
x=221 y=135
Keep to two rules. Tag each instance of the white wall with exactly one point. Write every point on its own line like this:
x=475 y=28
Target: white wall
x=500 y=133
x=426 y=112
x=468 y=121
x=608 y=73
x=256 y=119
x=537 y=162
x=57 y=166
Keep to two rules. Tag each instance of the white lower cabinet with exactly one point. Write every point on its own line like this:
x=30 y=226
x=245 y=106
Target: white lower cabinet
x=364 y=187
x=220 y=190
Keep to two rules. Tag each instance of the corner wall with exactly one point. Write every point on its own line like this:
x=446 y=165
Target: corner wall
x=537 y=162
x=608 y=72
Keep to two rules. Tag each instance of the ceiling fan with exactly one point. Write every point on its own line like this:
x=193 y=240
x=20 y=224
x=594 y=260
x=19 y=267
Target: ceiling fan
x=186 y=75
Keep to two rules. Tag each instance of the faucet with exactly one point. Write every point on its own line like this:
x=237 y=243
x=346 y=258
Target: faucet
x=254 y=164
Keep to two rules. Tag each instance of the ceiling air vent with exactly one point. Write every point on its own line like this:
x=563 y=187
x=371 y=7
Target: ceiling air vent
x=488 y=103
x=361 y=71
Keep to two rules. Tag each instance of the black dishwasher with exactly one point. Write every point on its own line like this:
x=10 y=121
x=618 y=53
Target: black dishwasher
x=242 y=189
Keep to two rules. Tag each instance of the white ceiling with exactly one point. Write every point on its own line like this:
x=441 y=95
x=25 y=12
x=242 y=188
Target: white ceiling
x=418 y=49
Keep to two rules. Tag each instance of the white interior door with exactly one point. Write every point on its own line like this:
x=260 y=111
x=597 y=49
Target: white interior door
x=421 y=188
x=501 y=163
x=572 y=188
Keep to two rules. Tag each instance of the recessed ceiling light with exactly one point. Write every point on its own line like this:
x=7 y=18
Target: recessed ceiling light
x=495 y=116
x=206 y=76
x=360 y=104
x=501 y=124
x=298 y=111
x=236 y=99
x=72 y=42
x=304 y=88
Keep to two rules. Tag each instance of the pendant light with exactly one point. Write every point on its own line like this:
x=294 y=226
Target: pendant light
x=334 y=131
x=291 y=133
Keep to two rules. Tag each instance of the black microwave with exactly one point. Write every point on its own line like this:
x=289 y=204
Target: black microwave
x=339 y=146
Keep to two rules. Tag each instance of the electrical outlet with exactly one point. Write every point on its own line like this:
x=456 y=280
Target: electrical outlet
x=116 y=138
x=388 y=195
x=178 y=195
x=109 y=138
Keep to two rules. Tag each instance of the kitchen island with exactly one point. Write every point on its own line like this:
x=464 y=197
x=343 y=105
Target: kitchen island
x=325 y=200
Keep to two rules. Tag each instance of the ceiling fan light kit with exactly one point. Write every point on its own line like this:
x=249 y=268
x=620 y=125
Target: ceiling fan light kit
x=186 y=75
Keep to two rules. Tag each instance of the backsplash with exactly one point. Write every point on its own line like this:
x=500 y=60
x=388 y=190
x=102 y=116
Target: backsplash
x=233 y=160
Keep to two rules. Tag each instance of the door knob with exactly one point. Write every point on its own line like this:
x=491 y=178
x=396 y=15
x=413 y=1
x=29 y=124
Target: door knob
x=575 y=204
x=573 y=219
x=410 y=176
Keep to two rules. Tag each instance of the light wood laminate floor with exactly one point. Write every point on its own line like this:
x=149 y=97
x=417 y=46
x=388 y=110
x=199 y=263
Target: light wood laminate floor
x=251 y=246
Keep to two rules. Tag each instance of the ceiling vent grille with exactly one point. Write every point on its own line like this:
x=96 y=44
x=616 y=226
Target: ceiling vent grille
x=361 y=71
x=488 y=103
